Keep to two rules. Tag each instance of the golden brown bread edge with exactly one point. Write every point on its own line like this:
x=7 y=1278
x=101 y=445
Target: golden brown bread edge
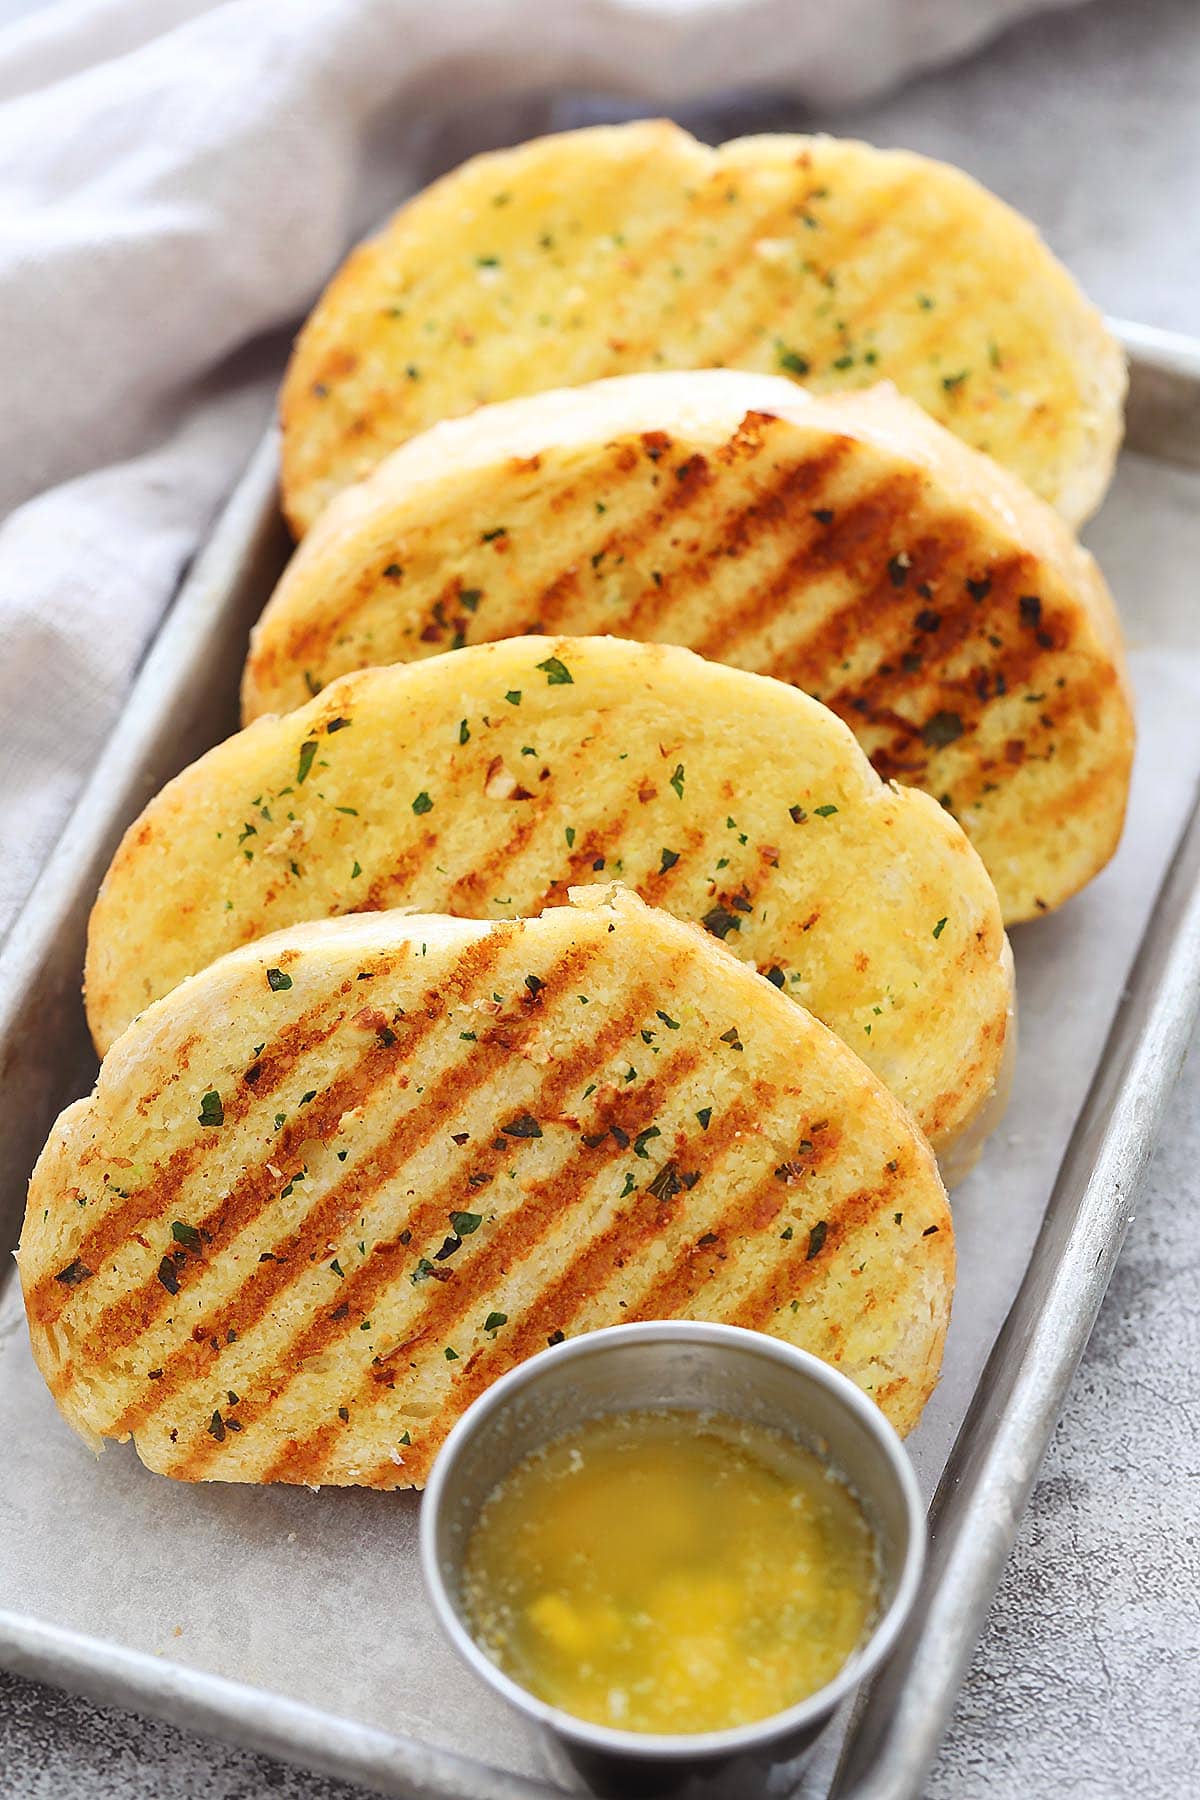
x=330 y=1188
x=846 y=544
x=486 y=782
x=633 y=247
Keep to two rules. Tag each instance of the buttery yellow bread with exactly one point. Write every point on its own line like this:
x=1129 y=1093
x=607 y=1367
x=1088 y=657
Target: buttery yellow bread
x=329 y=1189
x=847 y=544
x=633 y=247
x=486 y=782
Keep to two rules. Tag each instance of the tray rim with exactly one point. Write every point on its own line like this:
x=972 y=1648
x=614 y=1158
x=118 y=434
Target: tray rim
x=1129 y=1091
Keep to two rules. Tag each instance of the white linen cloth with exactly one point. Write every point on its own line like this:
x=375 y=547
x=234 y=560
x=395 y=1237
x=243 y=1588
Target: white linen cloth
x=178 y=177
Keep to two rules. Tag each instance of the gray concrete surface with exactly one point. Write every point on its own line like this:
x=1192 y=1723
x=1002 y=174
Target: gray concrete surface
x=1086 y=1685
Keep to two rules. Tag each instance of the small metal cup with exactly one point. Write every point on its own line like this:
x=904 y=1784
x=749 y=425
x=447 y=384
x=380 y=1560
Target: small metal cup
x=697 y=1368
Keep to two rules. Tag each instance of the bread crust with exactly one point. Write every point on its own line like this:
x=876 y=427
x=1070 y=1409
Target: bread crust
x=846 y=543
x=488 y=781
x=332 y=1186
x=632 y=247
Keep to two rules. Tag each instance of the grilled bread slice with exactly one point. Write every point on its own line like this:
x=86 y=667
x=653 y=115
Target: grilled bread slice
x=633 y=247
x=486 y=782
x=329 y=1189
x=847 y=544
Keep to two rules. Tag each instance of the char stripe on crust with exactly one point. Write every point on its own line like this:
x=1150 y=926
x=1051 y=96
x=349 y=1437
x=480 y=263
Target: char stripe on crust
x=833 y=247
x=631 y=540
x=411 y=1132
x=525 y=1226
x=602 y=1122
x=48 y=1298
x=557 y=1305
x=856 y=532
x=789 y=1277
x=121 y=1324
x=738 y=531
x=583 y=758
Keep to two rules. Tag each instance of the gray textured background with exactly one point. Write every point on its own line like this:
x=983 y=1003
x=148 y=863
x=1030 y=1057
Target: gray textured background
x=1087 y=1682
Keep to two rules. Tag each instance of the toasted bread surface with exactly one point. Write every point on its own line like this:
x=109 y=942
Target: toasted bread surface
x=633 y=247
x=486 y=782
x=330 y=1188
x=847 y=544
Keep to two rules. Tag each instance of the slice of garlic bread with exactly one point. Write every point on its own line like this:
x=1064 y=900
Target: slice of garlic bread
x=330 y=1188
x=847 y=544
x=633 y=247
x=486 y=782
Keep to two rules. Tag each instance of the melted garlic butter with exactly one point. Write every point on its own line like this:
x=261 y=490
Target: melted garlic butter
x=671 y=1572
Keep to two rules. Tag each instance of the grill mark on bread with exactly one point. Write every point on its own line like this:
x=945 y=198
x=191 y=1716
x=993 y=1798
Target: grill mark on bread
x=492 y=868
x=407 y=1135
x=833 y=245
x=874 y=697
x=558 y=1303
x=578 y=867
x=796 y=1271
x=470 y=1284
x=750 y=1214
x=407 y=864
x=47 y=1299
x=1001 y=759
x=628 y=540
x=766 y=223
x=887 y=618
x=516 y=1237
x=857 y=536
x=768 y=514
x=121 y=1323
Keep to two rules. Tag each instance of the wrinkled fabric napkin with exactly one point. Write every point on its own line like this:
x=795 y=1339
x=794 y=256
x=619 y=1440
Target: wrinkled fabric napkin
x=177 y=179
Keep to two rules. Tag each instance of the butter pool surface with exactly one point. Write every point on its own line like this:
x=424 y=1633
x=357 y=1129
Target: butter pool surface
x=671 y=1572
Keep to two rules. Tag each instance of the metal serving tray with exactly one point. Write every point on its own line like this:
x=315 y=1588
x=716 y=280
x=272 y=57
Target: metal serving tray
x=294 y=1622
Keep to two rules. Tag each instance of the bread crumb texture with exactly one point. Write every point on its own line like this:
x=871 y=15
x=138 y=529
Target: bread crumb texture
x=633 y=247
x=329 y=1189
x=486 y=782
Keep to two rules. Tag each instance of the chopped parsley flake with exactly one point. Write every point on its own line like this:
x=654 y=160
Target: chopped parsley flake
x=74 y=1273
x=939 y=928
x=942 y=729
x=277 y=981
x=720 y=922
x=422 y=803
x=677 y=779
x=556 y=672
x=308 y=750
x=211 y=1110
x=524 y=1127
x=667 y=1183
